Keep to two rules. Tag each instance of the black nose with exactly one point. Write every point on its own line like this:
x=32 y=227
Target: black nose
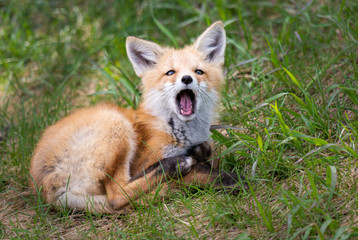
x=186 y=79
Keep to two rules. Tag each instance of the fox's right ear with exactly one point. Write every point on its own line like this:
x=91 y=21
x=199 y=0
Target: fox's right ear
x=142 y=54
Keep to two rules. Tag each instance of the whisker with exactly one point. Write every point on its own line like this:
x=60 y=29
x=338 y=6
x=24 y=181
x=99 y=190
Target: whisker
x=201 y=91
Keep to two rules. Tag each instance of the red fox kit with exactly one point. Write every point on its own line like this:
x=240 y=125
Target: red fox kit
x=98 y=159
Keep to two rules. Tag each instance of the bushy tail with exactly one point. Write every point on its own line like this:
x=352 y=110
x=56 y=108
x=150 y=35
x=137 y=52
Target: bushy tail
x=93 y=204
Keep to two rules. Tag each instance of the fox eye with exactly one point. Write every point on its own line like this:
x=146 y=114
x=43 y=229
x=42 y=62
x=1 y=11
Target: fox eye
x=199 y=72
x=170 y=72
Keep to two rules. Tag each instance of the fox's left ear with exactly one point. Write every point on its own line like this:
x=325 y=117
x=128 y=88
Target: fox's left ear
x=212 y=43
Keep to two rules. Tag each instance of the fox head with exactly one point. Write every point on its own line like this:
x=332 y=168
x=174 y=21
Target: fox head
x=182 y=83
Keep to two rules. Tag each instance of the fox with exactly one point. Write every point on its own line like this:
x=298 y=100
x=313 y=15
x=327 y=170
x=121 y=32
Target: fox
x=101 y=158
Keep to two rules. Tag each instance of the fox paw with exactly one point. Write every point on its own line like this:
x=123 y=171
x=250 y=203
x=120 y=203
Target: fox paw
x=176 y=166
x=232 y=183
x=200 y=152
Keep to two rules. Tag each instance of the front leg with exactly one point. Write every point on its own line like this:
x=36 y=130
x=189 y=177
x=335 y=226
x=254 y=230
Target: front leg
x=176 y=166
x=204 y=174
x=201 y=152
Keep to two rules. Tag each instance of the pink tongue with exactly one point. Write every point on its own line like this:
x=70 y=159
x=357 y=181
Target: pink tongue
x=186 y=105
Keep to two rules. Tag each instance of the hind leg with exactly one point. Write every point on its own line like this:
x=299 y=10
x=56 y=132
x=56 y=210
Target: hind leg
x=202 y=174
x=145 y=182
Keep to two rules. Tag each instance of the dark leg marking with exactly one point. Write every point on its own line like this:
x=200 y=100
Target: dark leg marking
x=229 y=182
x=200 y=152
x=172 y=166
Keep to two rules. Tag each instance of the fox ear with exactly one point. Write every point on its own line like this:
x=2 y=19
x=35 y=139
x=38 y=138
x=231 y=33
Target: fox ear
x=212 y=43
x=142 y=54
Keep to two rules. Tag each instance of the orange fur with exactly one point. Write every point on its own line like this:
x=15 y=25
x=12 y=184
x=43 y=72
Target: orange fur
x=100 y=158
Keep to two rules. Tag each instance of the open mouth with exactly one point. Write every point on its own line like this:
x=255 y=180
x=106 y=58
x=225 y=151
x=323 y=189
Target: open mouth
x=186 y=102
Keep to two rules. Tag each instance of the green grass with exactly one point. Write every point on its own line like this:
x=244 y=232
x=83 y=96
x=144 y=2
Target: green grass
x=291 y=86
